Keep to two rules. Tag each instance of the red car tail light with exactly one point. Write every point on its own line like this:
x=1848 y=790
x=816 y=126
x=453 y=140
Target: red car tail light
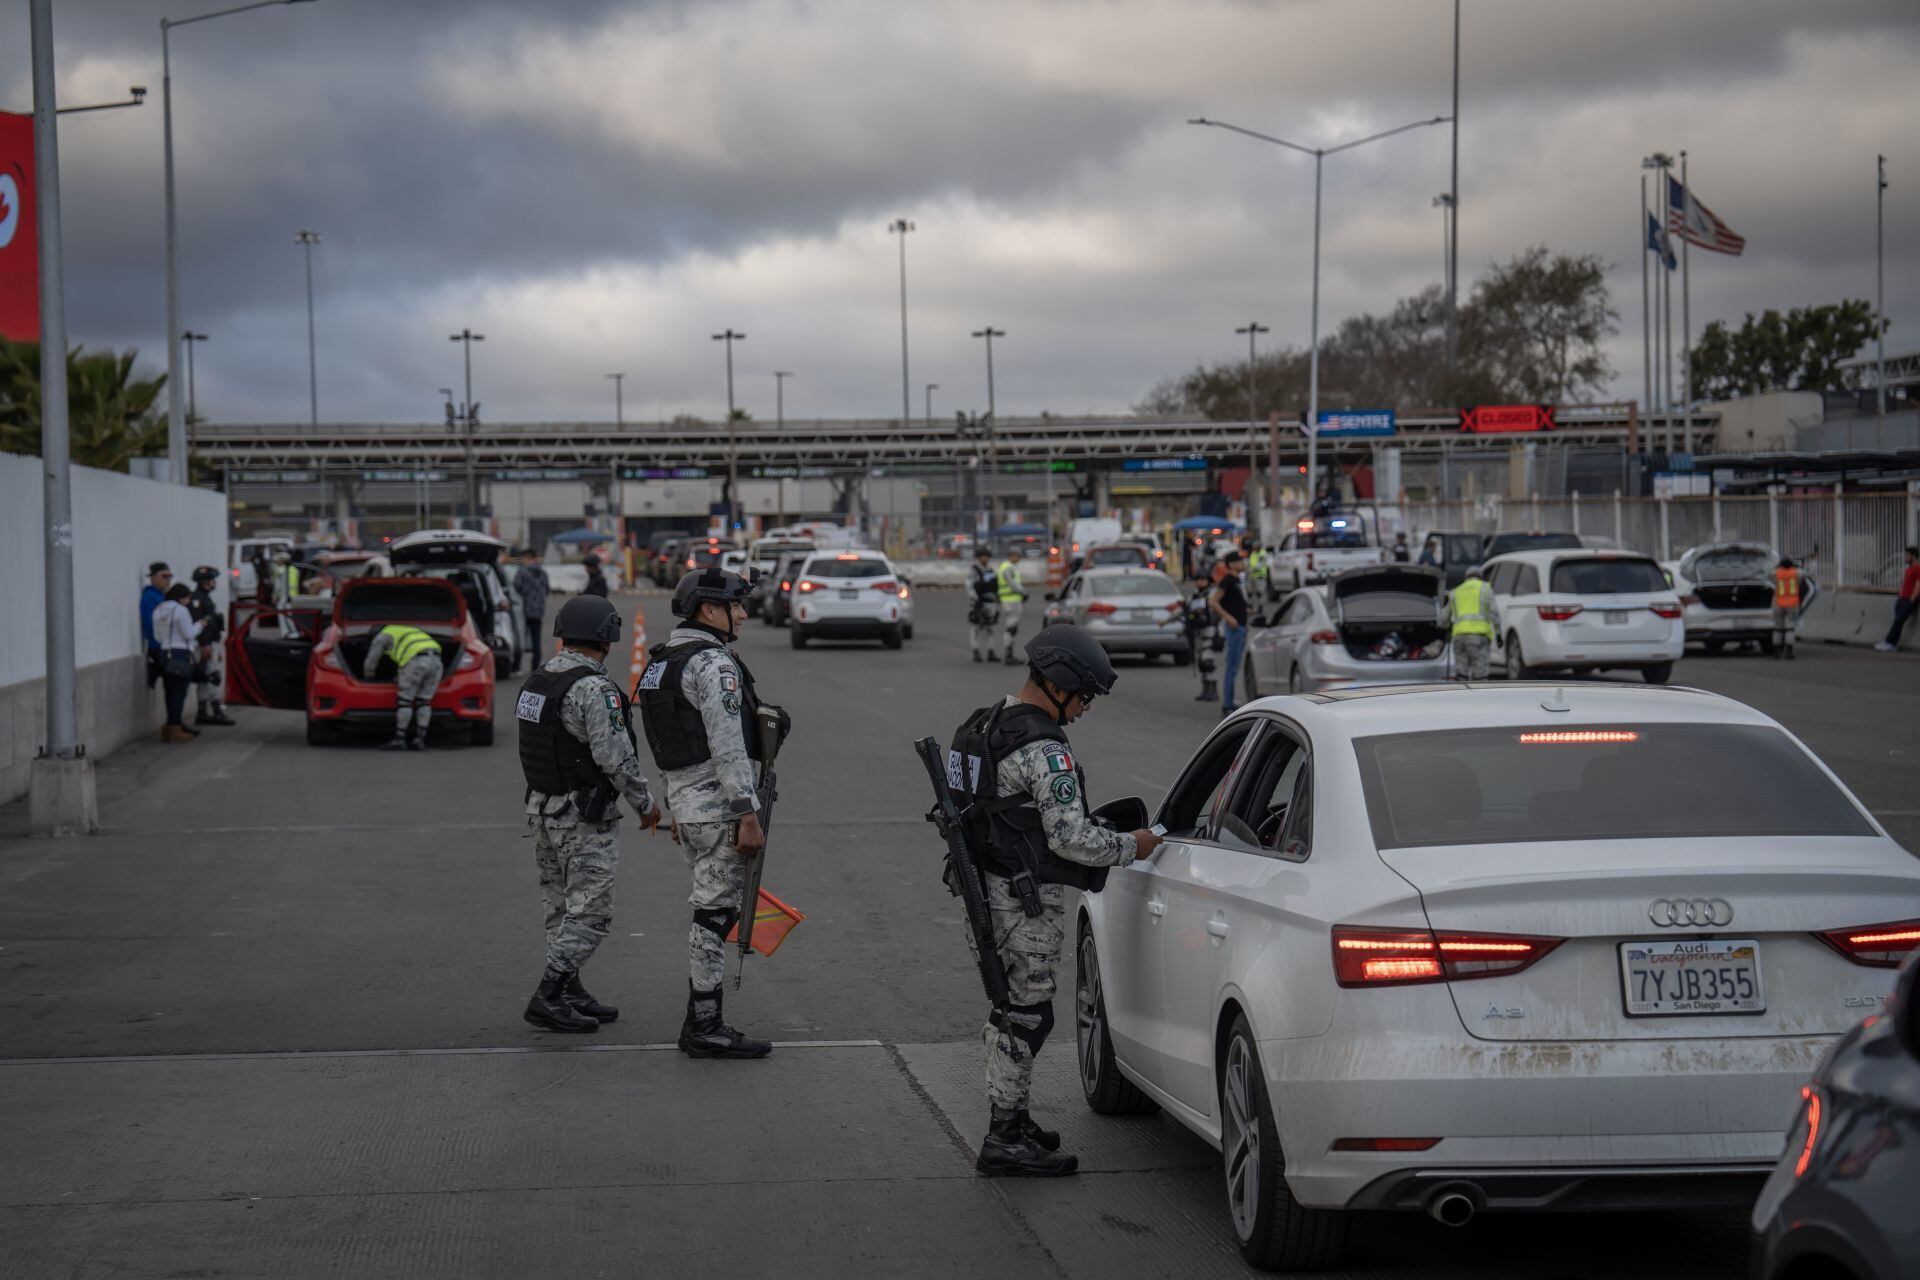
x=471 y=658
x=1813 y=1131
x=886 y=584
x=328 y=658
x=808 y=584
x=904 y=593
x=1879 y=946
x=1385 y=957
x=1667 y=610
x=1558 y=612
x=786 y=585
x=1324 y=637
x=1101 y=608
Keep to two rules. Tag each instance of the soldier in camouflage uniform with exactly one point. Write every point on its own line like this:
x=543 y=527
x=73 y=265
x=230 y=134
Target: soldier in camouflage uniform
x=1039 y=839
x=578 y=753
x=698 y=706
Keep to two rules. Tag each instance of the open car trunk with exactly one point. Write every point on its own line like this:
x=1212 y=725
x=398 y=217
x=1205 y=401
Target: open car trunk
x=436 y=606
x=1390 y=612
x=355 y=643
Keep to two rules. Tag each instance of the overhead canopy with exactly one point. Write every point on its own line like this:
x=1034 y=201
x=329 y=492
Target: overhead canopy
x=1206 y=522
x=583 y=537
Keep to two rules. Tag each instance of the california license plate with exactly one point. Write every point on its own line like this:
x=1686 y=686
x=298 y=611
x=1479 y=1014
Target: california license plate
x=849 y=593
x=1616 y=617
x=1713 y=975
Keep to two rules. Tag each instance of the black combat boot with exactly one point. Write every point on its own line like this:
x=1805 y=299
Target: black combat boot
x=581 y=1001
x=993 y=657
x=215 y=713
x=1044 y=1137
x=706 y=1035
x=1010 y=1151
x=549 y=1009
x=398 y=742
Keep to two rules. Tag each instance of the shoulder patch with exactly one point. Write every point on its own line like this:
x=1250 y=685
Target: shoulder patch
x=651 y=677
x=1064 y=789
x=612 y=700
x=529 y=706
x=1059 y=760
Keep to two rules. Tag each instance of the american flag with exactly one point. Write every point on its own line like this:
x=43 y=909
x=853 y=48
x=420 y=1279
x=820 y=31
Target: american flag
x=1697 y=224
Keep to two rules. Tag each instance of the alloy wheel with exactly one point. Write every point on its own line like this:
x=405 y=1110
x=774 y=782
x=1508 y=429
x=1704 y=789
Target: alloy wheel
x=1240 y=1137
x=1089 y=1021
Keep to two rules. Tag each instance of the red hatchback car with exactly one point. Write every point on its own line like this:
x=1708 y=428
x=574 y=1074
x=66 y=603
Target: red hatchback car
x=312 y=663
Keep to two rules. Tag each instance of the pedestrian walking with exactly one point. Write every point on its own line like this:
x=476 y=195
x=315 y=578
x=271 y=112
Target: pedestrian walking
x=1786 y=606
x=596 y=580
x=418 y=668
x=700 y=710
x=1011 y=595
x=1229 y=605
x=176 y=637
x=210 y=665
x=983 y=606
x=532 y=586
x=1013 y=763
x=1903 y=608
x=1471 y=604
x=578 y=753
x=159 y=578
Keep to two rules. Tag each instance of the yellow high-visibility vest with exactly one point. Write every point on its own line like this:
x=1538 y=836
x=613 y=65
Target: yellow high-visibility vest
x=1010 y=588
x=1470 y=616
x=409 y=643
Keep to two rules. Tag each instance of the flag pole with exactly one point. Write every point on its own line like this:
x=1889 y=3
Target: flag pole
x=1686 y=303
x=1666 y=330
x=1646 y=333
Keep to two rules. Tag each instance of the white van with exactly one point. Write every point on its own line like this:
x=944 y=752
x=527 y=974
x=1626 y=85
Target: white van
x=1087 y=532
x=241 y=579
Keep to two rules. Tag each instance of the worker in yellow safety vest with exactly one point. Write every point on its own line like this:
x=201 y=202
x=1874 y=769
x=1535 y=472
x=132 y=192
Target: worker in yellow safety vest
x=417 y=655
x=1012 y=597
x=1786 y=607
x=1472 y=606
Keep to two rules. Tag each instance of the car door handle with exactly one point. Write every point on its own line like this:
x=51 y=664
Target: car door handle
x=1218 y=928
x=1156 y=907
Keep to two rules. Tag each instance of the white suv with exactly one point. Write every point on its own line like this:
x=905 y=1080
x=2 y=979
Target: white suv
x=1584 y=611
x=850 y=595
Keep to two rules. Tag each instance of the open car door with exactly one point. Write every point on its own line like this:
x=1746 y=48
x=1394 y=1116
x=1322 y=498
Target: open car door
x=268 y=651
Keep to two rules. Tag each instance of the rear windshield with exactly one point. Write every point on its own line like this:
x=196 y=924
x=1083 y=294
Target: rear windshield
x=1499 y=544
x=860 y=567
x=399 y=602
x=1596 y=782
x=1131 y=584
x=1607 y=577
x=1116 y=555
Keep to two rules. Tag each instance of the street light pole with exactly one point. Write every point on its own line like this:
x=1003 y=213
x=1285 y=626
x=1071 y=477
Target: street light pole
x=1453 y=218
x=902 y=227
x=1319 y=154
x=619 y=409
x=467 y=337
x=1253 y=329
x=780 y=377
x=176 y=406
x=308 y=239
x=1880 y=304
x=733 y=454
x=993 y=430
x=193 y=401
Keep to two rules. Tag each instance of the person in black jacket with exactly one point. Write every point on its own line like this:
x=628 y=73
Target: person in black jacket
x=596 y=580
x=209 y=668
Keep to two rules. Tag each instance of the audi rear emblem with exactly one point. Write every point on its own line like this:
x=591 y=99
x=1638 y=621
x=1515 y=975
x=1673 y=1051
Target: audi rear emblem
x=1675 y=913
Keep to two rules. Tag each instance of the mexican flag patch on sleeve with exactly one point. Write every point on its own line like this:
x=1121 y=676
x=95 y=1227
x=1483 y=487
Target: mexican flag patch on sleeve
x=1059 y=762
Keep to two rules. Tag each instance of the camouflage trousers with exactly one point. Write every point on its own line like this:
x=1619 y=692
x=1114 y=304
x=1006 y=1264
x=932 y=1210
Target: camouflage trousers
x=1010 y=611
x=415 y=685
x=577 y=862
x=1470 y=653
x=719 y=883
x=983 y=633
x=1030 y=951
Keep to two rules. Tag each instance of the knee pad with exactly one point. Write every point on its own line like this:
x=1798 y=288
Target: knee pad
x=1028 y=1023
x=718 y=922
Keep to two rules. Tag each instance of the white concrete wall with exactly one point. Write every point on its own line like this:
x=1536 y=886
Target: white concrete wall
x=120 y=525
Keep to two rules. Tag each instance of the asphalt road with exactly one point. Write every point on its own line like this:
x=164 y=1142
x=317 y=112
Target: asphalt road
x=267 y=1021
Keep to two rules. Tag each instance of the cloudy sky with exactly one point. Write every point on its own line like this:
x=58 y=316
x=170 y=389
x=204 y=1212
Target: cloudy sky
x=601 y=186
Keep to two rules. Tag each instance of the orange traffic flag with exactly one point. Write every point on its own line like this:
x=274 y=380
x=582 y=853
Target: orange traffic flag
x=773 y=920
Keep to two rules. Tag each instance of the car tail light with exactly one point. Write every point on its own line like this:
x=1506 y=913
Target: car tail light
x=886 y=584
x=328 y=658
x=471 y=658
x=1324 y=637
x=808 y=584
x=1558 y=612
x=692 y=563
x=786 y=585
x=1881 y=946
x=1812 y=1139
x=1665 y=610
x=1384 y=957
x=1309 y=559
x=1101 y=608
x=903 y=591
x=1384 y=1144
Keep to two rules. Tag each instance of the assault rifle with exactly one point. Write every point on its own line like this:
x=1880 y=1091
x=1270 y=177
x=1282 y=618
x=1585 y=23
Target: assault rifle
x=768 y=724
x=964 y=876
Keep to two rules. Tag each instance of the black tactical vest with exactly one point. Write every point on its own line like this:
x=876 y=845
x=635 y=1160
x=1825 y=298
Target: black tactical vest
x=676 y=731
x=554 y=761
x=984 y=582
x=1006 y=828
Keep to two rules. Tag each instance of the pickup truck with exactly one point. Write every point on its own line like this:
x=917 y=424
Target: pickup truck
x=1320 y=546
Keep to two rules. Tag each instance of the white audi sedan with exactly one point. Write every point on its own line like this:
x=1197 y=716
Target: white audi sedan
x=1500 y=947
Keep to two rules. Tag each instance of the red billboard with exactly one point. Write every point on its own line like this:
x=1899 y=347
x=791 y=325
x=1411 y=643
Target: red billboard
x=19 y=239
x=1503 y=418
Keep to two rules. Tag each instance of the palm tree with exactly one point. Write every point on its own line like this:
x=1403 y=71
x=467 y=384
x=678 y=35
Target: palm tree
x=110 y=412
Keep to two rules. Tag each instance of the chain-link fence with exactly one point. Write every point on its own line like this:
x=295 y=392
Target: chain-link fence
x=1844 y=539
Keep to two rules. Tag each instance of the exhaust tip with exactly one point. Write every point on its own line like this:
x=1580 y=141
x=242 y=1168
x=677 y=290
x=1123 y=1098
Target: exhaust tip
x=1452 y=1207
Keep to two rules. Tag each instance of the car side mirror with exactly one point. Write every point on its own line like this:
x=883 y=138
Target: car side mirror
x=1129 y=813
x=1258 y=620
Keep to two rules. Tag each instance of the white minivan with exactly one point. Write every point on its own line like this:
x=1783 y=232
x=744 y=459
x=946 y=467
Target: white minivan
x=1582 y=610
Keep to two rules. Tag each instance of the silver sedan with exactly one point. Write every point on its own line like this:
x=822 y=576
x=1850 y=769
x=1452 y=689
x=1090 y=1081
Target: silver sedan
x=1127 y=610
x=1380 y=624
